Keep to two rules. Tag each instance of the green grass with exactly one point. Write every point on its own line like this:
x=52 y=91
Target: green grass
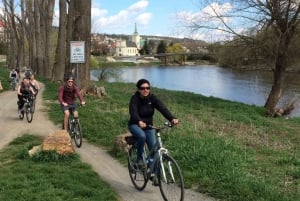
x=4 y=73
x=226 y=149
x=47 y=176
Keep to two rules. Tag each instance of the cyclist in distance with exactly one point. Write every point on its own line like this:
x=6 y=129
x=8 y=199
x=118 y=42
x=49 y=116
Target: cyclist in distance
x=13 y=75
x=18 y=73
x=24 y=89
x=66 y=97
x=141 y=109
x=34 y=84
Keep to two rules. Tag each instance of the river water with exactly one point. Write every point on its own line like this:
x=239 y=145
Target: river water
x=249 y=87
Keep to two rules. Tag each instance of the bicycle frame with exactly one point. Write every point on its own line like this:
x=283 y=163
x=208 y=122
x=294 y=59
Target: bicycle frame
x=158 y=150
x=75 y=129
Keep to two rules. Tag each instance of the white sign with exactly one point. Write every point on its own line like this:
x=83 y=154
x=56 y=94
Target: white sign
x=77 y=52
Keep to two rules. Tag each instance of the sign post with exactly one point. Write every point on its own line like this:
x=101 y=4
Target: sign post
x=77 y=54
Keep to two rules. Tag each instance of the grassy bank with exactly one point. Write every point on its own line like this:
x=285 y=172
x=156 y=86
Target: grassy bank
x=102 y=62
x=226 y=149
x=4 y=74
x=47 y=176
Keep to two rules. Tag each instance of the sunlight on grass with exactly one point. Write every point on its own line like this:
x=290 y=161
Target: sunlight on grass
x=226 y=149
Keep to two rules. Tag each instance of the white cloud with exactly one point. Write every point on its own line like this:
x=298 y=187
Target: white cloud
x=206 y=17
x=139 y=6
x=122 y=21
x=97 y=12
x=143 y=18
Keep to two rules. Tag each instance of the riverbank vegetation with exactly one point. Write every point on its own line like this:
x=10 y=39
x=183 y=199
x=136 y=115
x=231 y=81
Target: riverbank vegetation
x=227 y=150
x=4 y=74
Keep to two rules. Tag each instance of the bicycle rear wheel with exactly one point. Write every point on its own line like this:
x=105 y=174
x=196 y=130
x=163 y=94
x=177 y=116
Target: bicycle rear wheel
x=13 y=85
x=77 y=133
x=138 y=176
x=170 y=179
x=29 y=113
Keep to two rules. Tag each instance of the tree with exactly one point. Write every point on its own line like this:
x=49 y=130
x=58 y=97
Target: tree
x=162 y=47
x=79 y=29
x=61 y=47
x=278 y=19
x=30 y=36
x=13 y=35
x=177 y=48
x=145 y=49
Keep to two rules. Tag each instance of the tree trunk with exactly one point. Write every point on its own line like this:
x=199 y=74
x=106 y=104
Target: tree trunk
x=279 y=78
x=276 y=91
x=82 y=32
x=48 y=7
x=71 y=13
x=60 y=56
x=13 y=36
x=31 y=33
x=38 y=61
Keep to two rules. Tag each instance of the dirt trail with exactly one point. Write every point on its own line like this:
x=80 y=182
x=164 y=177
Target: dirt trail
x=107 y=168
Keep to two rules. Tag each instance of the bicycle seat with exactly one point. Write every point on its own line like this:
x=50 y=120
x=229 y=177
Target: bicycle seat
x=130 y=140
x=72 y=109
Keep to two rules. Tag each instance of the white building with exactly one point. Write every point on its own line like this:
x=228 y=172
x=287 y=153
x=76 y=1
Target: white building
x=126 y=48
x=129 y=48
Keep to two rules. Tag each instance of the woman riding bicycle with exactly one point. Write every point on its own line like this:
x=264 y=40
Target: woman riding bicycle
x=34 y=83
x=13 y=75
x=66 y=97
x=24 y=89
x=141 y=109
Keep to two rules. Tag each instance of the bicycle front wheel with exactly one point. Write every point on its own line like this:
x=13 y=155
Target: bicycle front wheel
x=138 y=176
x=29 y=113
x=170 y=179
x=33 y=105
x=77 y=133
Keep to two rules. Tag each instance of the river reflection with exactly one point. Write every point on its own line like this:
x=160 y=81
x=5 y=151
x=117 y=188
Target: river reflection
x=250 y=87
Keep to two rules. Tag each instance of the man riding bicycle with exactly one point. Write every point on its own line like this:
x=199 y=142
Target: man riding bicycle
x=66 y=97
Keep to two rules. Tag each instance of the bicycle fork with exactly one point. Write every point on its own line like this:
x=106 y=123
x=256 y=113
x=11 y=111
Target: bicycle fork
x=162 y=152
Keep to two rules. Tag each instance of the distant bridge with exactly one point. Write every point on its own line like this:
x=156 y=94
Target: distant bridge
x=165 y=58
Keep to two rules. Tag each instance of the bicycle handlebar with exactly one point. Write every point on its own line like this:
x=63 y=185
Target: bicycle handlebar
x=27 y=95
x=166 y=125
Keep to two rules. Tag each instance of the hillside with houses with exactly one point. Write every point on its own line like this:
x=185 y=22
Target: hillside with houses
x=120 y=45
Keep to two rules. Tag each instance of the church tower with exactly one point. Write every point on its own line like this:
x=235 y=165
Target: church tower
x=136 y=38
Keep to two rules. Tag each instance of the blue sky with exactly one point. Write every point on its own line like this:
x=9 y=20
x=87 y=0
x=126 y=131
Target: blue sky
x=156 y=17
x=153 y=17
